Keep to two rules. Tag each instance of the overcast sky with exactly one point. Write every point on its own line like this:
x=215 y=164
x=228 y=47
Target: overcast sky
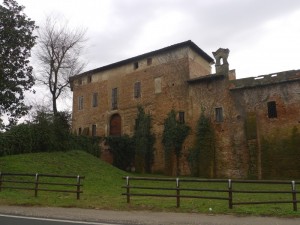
x=263 y=35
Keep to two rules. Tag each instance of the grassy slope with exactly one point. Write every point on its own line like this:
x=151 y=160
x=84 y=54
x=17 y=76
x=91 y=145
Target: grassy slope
x=101 y=184
x=102 y=187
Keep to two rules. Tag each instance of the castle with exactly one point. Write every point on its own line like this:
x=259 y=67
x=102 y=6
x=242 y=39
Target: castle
x=255 y=120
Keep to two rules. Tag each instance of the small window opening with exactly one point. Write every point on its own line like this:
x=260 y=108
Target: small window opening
x=149 y=61
x=114 y=98
x=136 y=65
x=89 y=79
x=79 y=131
x=219 y=114
x=221 y=61
x=181 y=117
x=94 y=130
x=272 y=111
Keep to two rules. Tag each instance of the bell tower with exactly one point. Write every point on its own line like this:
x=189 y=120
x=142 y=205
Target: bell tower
x=221 y=56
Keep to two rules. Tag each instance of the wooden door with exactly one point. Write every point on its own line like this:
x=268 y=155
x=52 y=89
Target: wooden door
x=115 y=125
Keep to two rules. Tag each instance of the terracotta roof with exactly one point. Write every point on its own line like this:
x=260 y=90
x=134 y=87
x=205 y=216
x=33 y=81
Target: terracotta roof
x=188 y=43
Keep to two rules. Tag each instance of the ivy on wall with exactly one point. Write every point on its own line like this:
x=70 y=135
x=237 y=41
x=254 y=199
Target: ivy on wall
x=174 y=135
x=281 y=155
x=143 y=142
x=122 y=148
x=201 y=157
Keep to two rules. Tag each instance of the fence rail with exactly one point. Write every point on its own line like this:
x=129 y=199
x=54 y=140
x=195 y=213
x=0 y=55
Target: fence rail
x=30 y=181
x=149 y=184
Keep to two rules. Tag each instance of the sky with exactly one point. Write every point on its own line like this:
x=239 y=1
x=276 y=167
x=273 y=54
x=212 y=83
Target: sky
x=263 y=36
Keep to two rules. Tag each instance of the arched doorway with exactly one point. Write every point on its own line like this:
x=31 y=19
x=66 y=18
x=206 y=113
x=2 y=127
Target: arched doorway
x=115 y=125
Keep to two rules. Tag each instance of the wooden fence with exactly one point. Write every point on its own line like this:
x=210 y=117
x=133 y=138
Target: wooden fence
x=149 y=187
x=41 y=182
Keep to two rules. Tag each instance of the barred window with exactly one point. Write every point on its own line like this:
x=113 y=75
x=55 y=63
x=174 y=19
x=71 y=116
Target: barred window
x=137 y=89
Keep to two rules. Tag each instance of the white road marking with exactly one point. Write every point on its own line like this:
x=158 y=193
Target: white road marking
x=55 y=220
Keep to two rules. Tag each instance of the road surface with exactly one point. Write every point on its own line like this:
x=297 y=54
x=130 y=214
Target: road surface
x=101 y=217
x=17 y=220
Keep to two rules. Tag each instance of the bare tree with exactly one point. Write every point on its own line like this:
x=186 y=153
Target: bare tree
x=59 y=55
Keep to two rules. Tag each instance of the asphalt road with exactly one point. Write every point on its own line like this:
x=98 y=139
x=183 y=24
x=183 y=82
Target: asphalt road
x=69 y=216
x=21 y=220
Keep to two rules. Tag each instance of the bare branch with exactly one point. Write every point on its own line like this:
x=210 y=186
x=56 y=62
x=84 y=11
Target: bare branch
x=59 y=51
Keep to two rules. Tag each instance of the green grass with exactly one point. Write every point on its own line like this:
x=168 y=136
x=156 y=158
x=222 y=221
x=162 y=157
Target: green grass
x=102 y=188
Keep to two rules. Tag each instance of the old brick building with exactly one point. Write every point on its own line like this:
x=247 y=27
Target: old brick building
x=251 y=117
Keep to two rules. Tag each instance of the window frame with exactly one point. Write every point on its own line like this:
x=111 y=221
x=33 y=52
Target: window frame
x=272 y=110
x=135 y=65
x=94 y=130
x=95 y=99
x=137 y=89
x=80 y=102
x=181 y=117
x=114 y=98
x=219 y=114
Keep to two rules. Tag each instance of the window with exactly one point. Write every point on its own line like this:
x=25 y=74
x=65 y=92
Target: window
x=79 y=131
x=80 y=102
x=95 y=100
x=149 y=61
x=136 y=65
x=157 y=85
x=94 y=130
x=219 y=114
x=272 y=111
x=137 y=89
x=181 y=117
x=79 y=81
x=114 y=98
x=89 y=79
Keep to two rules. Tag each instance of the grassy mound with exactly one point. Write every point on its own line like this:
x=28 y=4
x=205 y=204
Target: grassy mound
x=101 y=186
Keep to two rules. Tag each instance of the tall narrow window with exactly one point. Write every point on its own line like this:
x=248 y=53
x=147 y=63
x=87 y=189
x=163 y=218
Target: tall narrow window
x=94 y=130
x=95 y=100
x=79 y=131
x=114 y=98
x=137 y=89
x=219 y=114
x=272 y=111
x=157 y=85
x=136 y=65
x=181 y=117
x=80 y=102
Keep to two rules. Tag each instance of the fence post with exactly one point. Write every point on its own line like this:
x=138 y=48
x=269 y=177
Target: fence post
x=177 y=193
x=294 y=195
x=128 y=189
x=230 y=193
x=0 y=181
x=36 y=185
x=78 y=187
